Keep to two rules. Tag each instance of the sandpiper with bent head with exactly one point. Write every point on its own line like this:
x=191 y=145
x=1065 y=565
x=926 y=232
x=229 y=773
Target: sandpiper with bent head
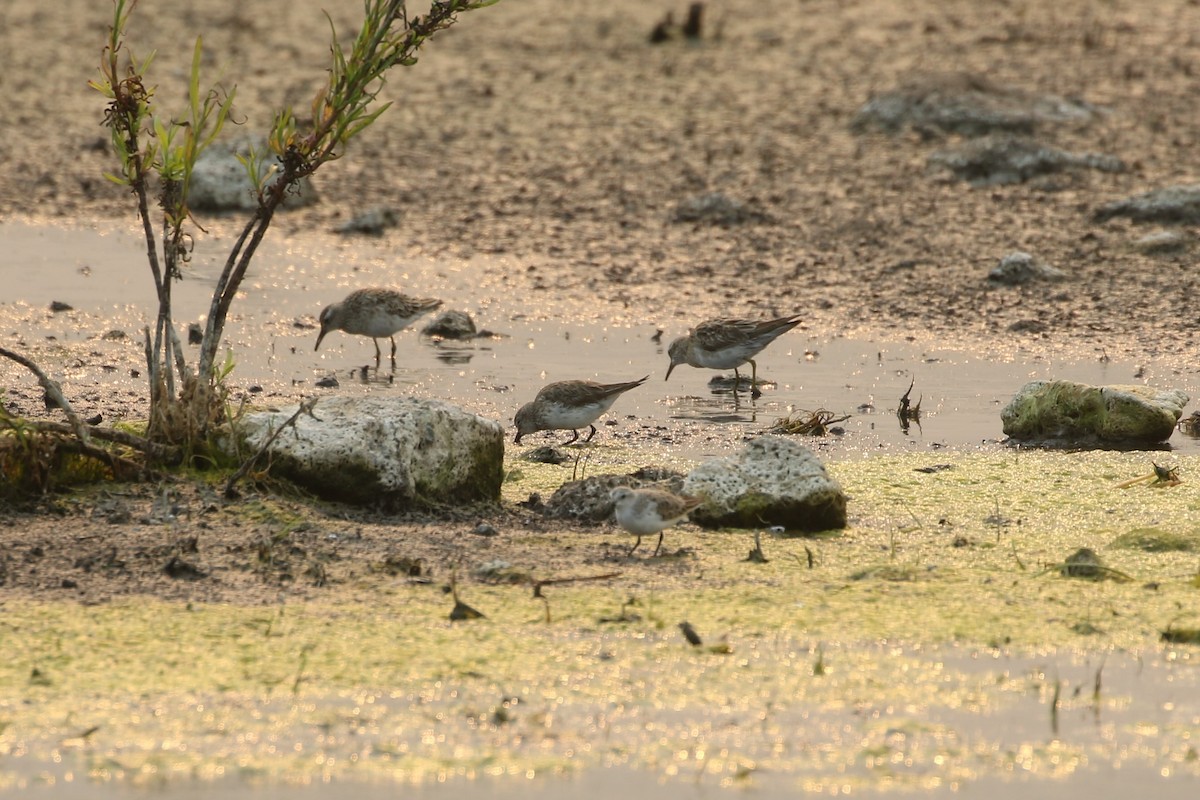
x=376 y=313
x=646 y=511
x=569 y=406
x=727 y=344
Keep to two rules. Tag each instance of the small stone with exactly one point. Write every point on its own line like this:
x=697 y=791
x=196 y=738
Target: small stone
x=1004 y=160
x=195 y=333
x=1018 y=267
x=1083 y=563
x=966 y=104
x=451 y=325
x=1161 y=242
x=585 y=500
x=1171 y=204
x=717 y=209
x=58 y=306
x=372 y=222
x=483 y=529
x=180 y=569
x=547 y=455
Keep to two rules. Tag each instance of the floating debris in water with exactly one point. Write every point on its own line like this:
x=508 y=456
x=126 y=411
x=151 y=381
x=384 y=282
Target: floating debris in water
x=808 y=423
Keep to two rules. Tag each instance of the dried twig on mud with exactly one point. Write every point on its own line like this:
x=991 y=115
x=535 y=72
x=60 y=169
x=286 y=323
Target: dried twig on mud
x=165 y=453
x=119 y=465
x=306 y=407
x=538 y=584
x=54 y=391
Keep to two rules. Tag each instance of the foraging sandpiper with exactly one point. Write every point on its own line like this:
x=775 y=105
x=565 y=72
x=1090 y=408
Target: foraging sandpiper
x=646 y=511
x=569 y=406
x=376 y=313
x=727 y=344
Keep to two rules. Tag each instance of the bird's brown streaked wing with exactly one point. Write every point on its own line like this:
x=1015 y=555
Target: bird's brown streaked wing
x=717 y=334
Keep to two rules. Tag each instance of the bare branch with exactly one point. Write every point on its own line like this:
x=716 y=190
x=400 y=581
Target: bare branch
x=168 y=454
x=53 y=390
x=306 y=407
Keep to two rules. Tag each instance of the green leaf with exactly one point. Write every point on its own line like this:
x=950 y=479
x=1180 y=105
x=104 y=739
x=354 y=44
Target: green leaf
x=194 y=85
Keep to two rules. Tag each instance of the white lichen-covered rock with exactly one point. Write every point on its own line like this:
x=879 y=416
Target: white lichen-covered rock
x=774 y=481
x=220 y=182
x=1070 y=412
x=392 y=452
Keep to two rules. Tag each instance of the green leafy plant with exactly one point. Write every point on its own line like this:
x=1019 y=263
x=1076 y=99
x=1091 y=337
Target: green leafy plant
x=187 y=402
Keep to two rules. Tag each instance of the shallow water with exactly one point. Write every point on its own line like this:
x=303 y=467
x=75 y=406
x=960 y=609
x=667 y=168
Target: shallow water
x=542 y=335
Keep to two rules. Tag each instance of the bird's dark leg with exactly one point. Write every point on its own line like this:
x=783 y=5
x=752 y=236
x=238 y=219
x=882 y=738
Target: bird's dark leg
x=574 y=437
x=393 y=349
x=635 y=547
x=658 y=546
x=378 y=354
x=754 y=392
x=590 y=435
x=737 y=379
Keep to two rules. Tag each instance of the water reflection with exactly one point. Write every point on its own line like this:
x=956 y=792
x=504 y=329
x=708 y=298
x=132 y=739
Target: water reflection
x=453 y=354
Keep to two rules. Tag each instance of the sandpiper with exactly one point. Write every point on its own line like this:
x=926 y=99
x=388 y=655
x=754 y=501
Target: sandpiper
x=569 y=406
x=646 y=511
x=727 y=344
x=375 y=313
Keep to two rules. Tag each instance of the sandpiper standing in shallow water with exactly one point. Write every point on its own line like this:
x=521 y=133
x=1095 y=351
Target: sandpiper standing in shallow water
x=375 y=313
x=646 y=511
x=727 y=344
x=569 y=406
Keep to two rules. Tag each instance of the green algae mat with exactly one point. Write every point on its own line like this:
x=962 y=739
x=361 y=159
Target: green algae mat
x=945 y=637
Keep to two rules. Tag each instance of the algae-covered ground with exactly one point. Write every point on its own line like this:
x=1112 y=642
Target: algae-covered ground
x=935 y=642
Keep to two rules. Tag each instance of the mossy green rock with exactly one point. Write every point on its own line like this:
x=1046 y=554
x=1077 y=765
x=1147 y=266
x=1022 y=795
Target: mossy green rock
x=1156 y=540
x=1065 y=411
x=390 y=452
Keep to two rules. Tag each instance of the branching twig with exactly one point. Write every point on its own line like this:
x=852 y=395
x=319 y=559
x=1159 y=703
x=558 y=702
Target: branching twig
x=159 y=452
x=306 y=407
x=114 y=461
x=54 y=391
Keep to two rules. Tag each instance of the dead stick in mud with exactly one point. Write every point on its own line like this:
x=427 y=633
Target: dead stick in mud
x=161 y=452
x=54 y=391
x=74 y=444
x=115 y=462
x=306 y=407
x=537 y=585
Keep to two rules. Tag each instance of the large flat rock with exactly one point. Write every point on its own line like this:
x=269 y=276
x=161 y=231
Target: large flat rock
x=392 y=452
